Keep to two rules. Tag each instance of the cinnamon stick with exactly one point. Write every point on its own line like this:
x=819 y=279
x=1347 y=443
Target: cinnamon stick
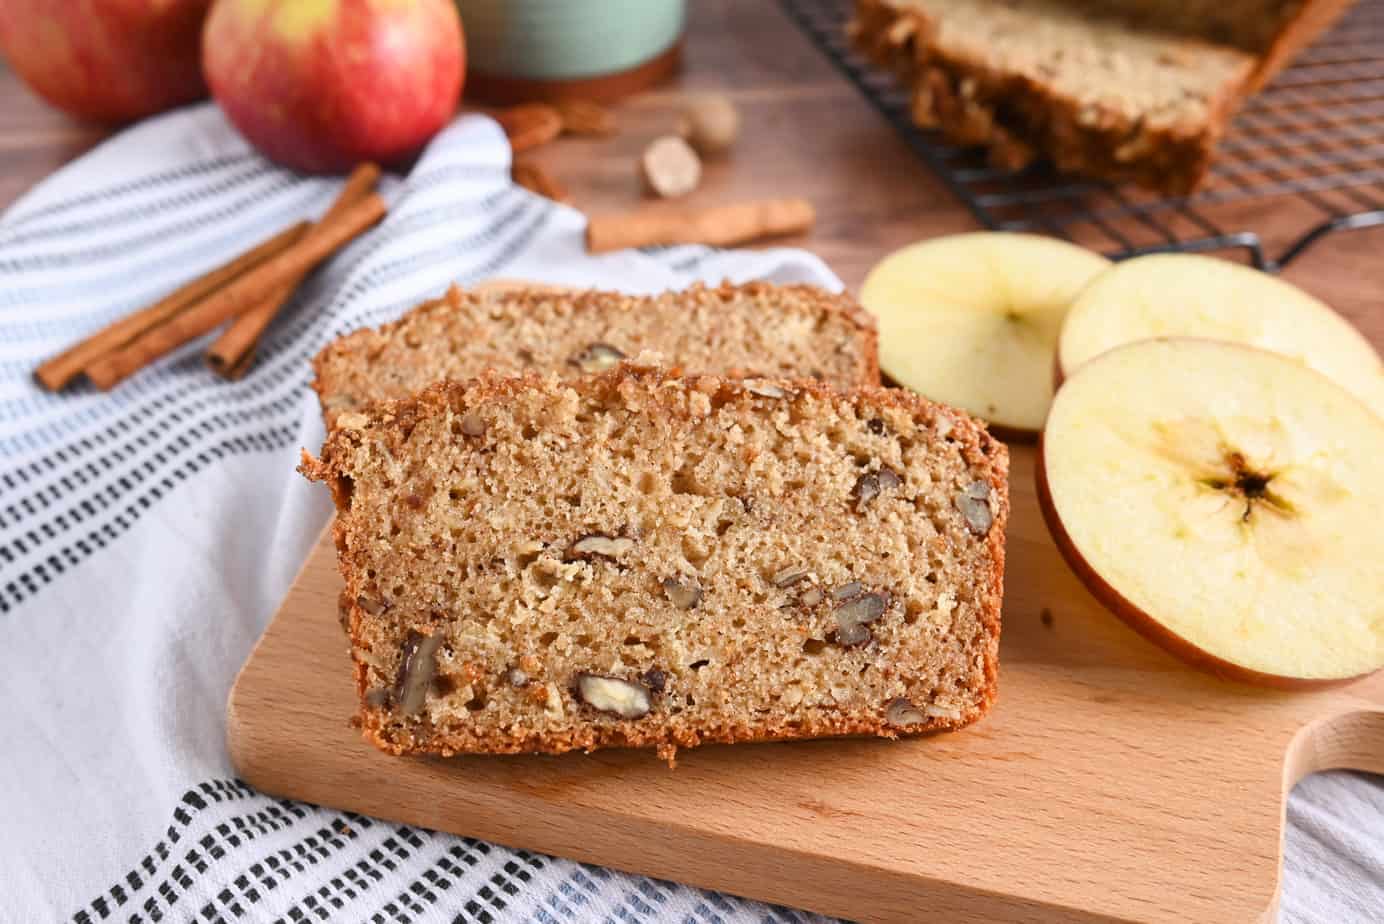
x=238 y=296
x=535 y=179
x=585 y=117
x=57 y=372
x=719 y=226
x=529 y=125
x=236 y=370
x=234 y=351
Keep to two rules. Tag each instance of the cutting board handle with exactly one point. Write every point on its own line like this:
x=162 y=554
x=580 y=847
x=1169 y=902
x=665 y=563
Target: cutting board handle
x=1351 y=740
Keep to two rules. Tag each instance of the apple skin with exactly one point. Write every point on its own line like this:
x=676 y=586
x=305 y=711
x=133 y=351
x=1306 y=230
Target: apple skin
x=107 y=60
x=324 y=85
x=1144 y=624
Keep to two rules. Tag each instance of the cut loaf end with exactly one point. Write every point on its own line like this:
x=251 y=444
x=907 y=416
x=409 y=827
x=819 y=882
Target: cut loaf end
x=1095 y=94
x=1132 y=91
x=639 y=560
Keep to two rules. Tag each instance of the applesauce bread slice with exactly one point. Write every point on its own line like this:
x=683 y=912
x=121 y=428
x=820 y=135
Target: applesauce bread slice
x=796 y=331
x=634 y=559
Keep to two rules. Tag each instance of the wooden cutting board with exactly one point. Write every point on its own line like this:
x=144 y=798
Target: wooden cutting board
x=1109 y=783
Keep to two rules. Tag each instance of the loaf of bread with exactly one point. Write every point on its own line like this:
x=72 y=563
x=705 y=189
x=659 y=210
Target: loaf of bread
x=756 y=328
x=635 y=559
x=1133 y=91
x=1272 y=30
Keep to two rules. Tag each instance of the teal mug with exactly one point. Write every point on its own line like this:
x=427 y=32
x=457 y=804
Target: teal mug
x=551 y=48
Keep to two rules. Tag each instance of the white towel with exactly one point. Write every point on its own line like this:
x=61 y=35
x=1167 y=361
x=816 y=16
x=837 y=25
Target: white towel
x=147 y=535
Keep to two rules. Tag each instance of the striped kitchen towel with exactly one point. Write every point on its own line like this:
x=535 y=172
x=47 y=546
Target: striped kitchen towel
x=147 y=535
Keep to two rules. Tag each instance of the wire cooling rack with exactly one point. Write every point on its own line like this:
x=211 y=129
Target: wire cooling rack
x=1305 y=154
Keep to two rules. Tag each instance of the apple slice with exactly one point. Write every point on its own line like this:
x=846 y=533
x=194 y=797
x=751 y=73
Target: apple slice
x=1225 y=502
x=972 y=320
x=1180 y=295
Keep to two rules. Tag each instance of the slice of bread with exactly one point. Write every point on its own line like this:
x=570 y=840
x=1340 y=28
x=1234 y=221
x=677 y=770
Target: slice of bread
x=1134 y=91
x=756 y=328
x=635 y=559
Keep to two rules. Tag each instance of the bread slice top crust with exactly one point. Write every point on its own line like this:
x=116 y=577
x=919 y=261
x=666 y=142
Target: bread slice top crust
x=700 y=542
x=756 y=328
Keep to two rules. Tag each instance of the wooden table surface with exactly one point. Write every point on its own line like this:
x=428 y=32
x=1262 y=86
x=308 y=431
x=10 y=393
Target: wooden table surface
x=806 y=132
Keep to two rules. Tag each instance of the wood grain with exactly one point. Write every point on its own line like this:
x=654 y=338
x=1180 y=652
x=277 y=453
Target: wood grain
x=1109 y=783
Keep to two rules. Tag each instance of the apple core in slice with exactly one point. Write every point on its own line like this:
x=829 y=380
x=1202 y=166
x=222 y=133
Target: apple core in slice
x=1183 y=295
x=972 y=320
x=1226 y=502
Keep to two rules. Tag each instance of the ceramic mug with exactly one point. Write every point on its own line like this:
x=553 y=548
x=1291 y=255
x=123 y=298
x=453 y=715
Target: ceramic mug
x=556 y=42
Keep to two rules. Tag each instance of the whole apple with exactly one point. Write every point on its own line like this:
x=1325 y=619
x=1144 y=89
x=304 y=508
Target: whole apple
x=321 y=85
x=110 y=60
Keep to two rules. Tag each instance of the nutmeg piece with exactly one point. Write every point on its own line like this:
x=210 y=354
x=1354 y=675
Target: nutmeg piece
x=710 y=123
x=670 y=168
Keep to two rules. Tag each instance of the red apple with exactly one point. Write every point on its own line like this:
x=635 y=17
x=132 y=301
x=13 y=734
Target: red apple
x=321 y=85
x=111 y=60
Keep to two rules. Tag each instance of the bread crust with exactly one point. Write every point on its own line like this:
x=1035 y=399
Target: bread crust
x=981 y=452
x=1312 y=18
